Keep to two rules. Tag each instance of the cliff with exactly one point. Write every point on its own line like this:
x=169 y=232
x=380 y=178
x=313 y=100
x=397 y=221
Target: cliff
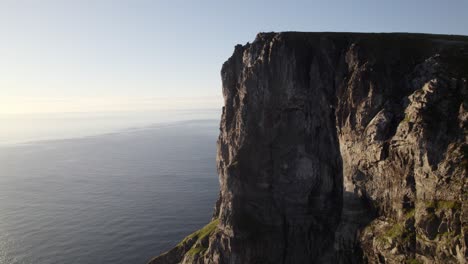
x=340 y=148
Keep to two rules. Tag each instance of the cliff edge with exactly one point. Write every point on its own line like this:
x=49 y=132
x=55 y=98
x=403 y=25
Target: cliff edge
x=340 y=148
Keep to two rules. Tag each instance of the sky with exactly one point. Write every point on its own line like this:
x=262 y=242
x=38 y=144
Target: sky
x=137 y=55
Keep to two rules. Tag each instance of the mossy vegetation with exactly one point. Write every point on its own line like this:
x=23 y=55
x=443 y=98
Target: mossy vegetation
x=413 y=261
x=406 y=119
x=196 y=249
x=444 y=204
x=207 y=230
x=410 y=213
x=199 y=235
x=398 y=232
x=449 y=205
x=447 y=234
x=395 y=231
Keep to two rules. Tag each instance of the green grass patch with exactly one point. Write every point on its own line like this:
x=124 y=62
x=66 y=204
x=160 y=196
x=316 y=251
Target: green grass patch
x=395 y=231
x=449 y=205
x=447 y=234
x=410 y=213
x=202 y=233
x=444 y=204
x=398 y=232
x=199 y=235
x=195 y=250
x=430 y=204
x=413 y=261
x=406 y=119
x=208 y=229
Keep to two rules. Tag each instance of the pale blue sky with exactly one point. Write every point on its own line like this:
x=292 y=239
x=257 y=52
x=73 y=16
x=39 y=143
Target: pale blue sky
x=93 y=55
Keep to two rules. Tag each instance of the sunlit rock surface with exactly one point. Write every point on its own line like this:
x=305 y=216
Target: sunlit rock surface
x=340 y=148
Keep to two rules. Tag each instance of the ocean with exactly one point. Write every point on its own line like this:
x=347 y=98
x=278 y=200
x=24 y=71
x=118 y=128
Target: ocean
x=109 y=194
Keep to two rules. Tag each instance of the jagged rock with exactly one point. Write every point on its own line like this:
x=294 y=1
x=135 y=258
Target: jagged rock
x=341 y=148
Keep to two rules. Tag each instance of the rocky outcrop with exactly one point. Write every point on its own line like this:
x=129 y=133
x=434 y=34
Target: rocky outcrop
x=340 y=148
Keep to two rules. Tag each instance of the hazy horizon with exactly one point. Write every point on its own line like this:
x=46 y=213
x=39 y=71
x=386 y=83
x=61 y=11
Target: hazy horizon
x=85 y=56
x=33 y=127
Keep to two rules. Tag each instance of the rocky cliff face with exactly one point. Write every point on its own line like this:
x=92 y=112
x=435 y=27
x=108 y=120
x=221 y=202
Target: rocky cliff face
x=340 y=148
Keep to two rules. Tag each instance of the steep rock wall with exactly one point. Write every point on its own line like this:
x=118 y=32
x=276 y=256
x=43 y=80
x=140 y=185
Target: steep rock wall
x=340 y=148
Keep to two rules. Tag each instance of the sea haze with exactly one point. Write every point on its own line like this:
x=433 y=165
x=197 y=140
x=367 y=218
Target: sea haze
x=116 y=198
x=20 y=128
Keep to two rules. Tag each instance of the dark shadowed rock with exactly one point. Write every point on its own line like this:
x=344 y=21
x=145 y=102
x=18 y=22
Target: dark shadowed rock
x=340 y=148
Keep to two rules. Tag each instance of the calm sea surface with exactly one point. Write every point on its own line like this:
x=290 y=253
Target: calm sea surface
x=115 y=198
